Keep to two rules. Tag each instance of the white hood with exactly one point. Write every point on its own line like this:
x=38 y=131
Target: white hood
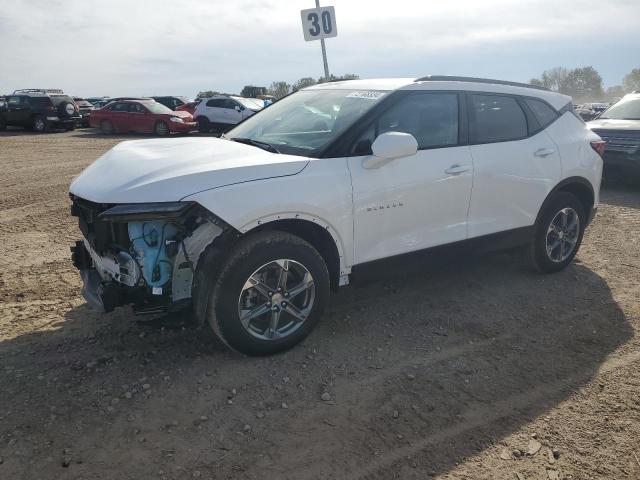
x=168 y=170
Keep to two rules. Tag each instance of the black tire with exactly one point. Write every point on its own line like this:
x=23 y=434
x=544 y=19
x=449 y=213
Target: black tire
x=203 y=125
x=248 y=256
x=106 y=127
x=40 y=124
x=536 y=254
x=161 y=129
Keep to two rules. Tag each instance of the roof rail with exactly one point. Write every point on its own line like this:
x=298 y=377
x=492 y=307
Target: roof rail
x=449 y=78
x=39 y=90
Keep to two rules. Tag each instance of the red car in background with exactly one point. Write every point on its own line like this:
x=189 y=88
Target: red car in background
x=141 y=116
x=189 y=107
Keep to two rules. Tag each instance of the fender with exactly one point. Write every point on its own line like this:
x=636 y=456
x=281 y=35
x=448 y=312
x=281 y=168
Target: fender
x=258 y=222
x=566 y=185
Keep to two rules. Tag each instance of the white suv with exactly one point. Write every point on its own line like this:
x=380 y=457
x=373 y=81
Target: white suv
x=223 y=112
x=254 y=229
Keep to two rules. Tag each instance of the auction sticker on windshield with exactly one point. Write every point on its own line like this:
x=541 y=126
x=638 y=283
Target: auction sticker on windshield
x=369 y=94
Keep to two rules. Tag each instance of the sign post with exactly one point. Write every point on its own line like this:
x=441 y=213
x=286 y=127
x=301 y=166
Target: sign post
x=317 y=24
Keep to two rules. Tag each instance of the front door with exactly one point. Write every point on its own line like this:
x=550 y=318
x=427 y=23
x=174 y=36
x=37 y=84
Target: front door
x=419 y=201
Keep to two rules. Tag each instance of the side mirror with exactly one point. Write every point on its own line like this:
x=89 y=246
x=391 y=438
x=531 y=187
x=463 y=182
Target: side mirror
x=389 y=146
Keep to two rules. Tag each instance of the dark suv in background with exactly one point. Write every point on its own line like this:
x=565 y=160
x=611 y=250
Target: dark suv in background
x=619 y=127
x=40 y=110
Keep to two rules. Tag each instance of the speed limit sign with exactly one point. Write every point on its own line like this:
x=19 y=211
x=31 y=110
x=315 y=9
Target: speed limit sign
x=319 y=23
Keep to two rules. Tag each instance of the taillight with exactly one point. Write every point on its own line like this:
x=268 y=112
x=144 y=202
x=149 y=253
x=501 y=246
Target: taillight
x=598 y=146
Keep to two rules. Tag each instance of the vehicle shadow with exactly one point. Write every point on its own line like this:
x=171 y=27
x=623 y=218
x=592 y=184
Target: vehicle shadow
x=621 y=194
x=442 y=350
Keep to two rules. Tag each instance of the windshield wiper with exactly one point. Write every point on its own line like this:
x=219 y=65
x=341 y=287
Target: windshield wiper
x=256 y=143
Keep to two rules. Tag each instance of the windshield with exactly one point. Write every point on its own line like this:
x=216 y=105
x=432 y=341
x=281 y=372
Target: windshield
x=306 y=122
x=625 y=109
x=155 y=107
x=249 y=103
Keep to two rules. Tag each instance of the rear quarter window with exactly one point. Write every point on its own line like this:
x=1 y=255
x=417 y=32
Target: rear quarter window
x=544 y=113
x=496 y=118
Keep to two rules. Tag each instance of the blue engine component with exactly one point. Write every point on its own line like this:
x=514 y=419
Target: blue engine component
x=149 y=240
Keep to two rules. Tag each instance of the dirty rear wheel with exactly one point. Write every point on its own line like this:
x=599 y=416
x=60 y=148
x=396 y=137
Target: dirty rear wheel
x=558 y=233
x=106 y=127
x=40 y=124
x=269 y=293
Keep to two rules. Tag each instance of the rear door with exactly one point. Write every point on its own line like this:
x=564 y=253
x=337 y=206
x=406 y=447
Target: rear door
x=119 y=116
x=215 y=110
x=515 y=163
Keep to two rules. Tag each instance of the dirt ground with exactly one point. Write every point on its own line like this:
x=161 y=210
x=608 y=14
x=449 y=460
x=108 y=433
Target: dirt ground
x=454 y=367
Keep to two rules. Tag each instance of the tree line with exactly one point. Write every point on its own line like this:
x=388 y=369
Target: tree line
x=584 y=84
x=280 y=89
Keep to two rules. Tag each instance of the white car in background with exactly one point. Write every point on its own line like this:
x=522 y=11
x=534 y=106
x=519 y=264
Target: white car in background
x=223 y=112
x=255 y=229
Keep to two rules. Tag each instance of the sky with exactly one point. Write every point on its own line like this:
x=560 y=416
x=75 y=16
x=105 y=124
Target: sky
x=180 y=47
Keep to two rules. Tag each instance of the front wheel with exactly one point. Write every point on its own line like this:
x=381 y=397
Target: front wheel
x=269 y=294
x=203 y=125
x=161 y=129
x=558 y=233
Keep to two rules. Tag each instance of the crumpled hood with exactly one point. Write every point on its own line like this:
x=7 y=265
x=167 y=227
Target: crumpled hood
x=614 y=124
x=170 y=169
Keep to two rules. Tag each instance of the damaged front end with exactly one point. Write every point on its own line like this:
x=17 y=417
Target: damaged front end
x=143 y=254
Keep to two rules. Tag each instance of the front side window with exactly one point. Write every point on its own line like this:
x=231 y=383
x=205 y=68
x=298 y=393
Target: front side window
x=625 y=109
x=308 y=121
x=155 y=107
x=137 y=108
x=13 y=101
x=496 y=118
x=119 y=107
x=432 y=118
x=543 y=112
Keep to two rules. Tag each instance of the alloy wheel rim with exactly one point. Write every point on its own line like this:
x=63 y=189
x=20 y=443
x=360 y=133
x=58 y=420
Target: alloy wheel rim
x=276 y=299
x=39 y=124
x=562 y=235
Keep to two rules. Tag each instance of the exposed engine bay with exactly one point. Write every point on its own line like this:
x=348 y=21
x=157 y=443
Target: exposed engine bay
x=141 y=254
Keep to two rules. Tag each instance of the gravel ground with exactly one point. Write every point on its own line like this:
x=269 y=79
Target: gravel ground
x=451 y=367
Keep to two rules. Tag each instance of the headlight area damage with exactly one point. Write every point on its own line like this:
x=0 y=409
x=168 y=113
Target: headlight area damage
x=144 y=255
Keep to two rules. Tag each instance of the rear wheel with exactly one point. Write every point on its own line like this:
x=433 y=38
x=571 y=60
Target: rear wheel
x=106 y=127
x=161 y=129
x=204 y=126
x=269 y=293
x=558 y=233
x=40 y=124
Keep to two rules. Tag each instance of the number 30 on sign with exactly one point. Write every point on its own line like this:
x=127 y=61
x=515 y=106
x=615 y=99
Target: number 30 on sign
x=319 y=23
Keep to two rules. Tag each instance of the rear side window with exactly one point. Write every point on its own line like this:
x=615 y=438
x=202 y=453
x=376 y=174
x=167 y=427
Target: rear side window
x=496 y=118
x=216 y=103
x=544 y=113
x=58 y=99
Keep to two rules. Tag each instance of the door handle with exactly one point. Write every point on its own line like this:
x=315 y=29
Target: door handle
x=544 y=152
x=457 y=169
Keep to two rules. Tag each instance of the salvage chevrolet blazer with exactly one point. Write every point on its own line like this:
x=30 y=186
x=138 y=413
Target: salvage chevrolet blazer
x=253 y=230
